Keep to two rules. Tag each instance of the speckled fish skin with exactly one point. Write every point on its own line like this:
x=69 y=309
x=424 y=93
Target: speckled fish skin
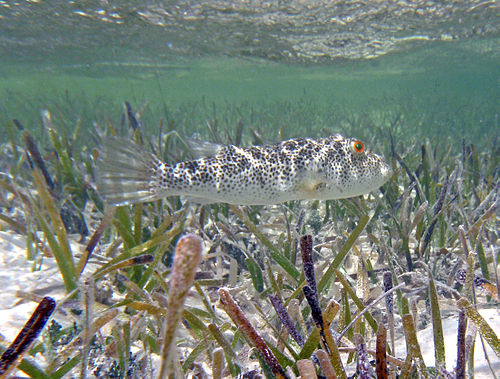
x=296 y=169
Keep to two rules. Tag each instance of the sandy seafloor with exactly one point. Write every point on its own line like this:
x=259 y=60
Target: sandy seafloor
x=17 y=276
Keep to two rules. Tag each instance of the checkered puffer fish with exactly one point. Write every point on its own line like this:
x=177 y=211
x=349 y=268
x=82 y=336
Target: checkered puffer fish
x=301 y=168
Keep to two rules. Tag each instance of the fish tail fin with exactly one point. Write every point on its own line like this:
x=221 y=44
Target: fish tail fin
x=126 y=172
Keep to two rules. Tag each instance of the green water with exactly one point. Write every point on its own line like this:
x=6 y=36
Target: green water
x=438 y=91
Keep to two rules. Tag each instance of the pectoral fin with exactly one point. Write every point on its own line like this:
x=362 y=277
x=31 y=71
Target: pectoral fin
x=311 y=187
x=315 y=187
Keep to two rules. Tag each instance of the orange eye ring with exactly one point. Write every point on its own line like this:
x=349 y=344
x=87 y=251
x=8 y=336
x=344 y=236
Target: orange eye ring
x=358 y=147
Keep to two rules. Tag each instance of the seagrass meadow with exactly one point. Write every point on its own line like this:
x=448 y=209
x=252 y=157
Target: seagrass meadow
x=327 y=289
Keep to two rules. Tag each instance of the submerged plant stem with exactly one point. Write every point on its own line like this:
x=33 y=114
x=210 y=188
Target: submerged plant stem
x=242 y=322
x=486 y=331
x=26 y=336
x=274 y=252
x=328 y=275
x=59 y=245
x=186 y=261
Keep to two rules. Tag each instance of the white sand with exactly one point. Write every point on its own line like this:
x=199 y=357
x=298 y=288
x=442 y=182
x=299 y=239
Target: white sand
x=426 y=340
x=481 y=369
x=16 y=274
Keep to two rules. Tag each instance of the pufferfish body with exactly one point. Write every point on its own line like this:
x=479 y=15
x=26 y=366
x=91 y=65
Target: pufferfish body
x=303 y=168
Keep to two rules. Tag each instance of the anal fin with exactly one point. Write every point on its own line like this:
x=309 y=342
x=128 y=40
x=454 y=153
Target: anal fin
x=198 y=200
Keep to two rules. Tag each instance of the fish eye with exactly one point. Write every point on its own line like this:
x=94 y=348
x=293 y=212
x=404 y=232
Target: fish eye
x=357 y=146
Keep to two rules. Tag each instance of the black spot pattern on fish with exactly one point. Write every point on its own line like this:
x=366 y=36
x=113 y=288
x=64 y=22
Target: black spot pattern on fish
x=275 y=173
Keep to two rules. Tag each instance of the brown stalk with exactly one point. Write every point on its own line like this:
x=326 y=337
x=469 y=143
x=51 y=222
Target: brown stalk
x=242 y=322
x=363 y=362
x=461 y=359
x=106 y=220
x=186 y=261
x=217 y=363
x=29 y=333
x=326 y=365
x=306 y=247
x=36 y=159
x=306 y=369
x=381 y=352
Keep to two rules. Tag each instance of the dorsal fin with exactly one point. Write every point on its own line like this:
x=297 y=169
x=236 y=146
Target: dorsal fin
x=202 y=149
